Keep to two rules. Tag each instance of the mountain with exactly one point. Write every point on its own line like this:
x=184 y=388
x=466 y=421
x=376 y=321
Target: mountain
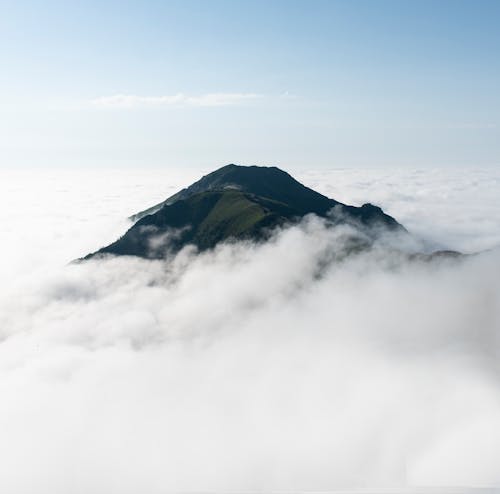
x=234 y=203
x=270 y=182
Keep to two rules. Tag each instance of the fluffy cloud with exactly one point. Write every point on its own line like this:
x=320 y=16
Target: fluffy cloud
x=248 y=368
x=179 y=99
x=447 y=207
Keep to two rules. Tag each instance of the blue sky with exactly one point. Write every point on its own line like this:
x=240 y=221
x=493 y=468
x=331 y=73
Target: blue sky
x=296 y=84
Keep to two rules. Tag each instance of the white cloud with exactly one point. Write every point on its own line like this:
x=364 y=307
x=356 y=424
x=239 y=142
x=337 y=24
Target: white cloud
x=456 y=208
x=179 y=99
x=239 y=370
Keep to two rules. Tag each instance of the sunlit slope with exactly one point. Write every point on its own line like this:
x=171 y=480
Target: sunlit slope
x=204 y=220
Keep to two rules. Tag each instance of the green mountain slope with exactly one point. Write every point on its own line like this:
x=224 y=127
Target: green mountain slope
x=234 y=203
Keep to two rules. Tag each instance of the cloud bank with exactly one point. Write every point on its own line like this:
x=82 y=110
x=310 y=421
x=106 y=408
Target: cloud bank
x=179 y=99
x=246 y=369
x=457 y=208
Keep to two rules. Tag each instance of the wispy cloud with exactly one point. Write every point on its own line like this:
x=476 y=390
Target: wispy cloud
x=179 y=99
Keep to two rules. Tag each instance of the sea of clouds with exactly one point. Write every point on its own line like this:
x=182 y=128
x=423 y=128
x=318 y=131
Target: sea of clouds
x=250 y=368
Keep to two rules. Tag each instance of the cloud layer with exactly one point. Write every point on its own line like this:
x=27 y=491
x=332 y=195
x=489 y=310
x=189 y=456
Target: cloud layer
x=249 y=368
x=179 y=99
x=457 y=208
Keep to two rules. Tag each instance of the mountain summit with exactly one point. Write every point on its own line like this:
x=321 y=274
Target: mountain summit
x=263 y=181
x=234 y=203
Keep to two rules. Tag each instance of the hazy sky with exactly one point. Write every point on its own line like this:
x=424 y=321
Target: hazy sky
x=199 y=84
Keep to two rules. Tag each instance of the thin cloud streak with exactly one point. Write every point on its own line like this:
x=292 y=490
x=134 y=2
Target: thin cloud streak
x=179 y=99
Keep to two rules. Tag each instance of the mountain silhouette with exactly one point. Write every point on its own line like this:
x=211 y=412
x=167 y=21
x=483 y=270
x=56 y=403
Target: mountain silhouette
x=235 y=203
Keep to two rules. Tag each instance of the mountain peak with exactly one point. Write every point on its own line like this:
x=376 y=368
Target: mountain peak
x=266 y=181
x=235 y=202
x=245 y=172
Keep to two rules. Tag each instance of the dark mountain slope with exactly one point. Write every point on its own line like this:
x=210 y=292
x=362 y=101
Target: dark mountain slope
x=234 y=203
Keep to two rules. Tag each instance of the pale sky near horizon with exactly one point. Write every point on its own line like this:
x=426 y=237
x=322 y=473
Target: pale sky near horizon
x=294 y=84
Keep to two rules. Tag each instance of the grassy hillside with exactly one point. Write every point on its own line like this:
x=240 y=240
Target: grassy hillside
x=204 y=220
